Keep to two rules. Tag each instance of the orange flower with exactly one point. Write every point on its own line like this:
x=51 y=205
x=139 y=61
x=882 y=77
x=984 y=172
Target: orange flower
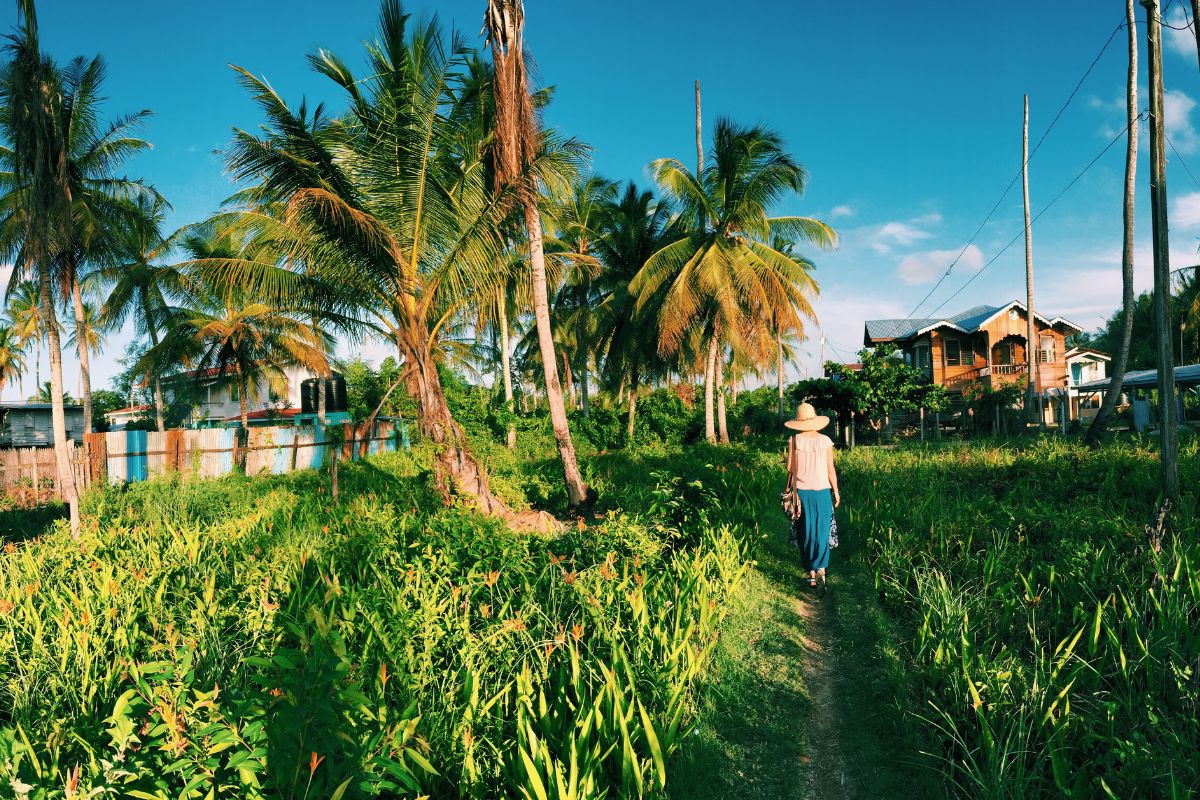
x=491 y=578
x=383 y=675
x=569 y=577
x=276 y=693
x=314 y=761
x=6 y=607
x=72 y=784
x=485 y=610
x=555 y=560
x=577 y=631
x=10 y=548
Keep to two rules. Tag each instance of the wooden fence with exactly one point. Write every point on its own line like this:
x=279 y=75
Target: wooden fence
x=29 y=475
x=127 y=456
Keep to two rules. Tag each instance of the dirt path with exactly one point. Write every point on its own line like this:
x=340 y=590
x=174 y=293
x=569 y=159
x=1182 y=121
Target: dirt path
x=802 y=702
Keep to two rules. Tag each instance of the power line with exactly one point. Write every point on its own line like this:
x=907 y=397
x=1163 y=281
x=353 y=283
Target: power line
x=1017 y=176
x=1047 y=207
x=1181 y=161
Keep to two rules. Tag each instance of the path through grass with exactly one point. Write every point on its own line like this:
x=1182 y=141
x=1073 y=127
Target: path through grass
x=804 y=698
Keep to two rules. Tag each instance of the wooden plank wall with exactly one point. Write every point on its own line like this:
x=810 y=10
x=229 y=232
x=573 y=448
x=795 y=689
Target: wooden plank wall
x=30 y=474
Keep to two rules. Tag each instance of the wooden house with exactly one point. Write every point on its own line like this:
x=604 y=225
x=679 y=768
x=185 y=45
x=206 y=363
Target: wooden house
x=985 y=343
x=30 y=424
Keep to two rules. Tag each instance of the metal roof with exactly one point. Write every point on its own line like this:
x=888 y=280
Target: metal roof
x=968 y=321
x=1185 y=376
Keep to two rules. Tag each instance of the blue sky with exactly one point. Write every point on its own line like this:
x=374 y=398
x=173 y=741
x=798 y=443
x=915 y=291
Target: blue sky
x=908 y=122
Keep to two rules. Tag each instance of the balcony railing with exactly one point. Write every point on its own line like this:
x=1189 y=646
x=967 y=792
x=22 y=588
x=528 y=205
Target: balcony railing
x=1008 y=369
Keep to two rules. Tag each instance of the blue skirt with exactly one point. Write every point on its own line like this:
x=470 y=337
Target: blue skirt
x=817 y=507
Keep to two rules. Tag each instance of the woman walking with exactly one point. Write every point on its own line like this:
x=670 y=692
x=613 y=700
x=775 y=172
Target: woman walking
x=812 y=476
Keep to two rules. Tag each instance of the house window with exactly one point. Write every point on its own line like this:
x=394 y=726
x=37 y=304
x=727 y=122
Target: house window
x=921 y=356
x=1046 y=350
x=235 y=394
x=29 y=423
x=952 y=349
x=1077 y=374
x=1002 y=354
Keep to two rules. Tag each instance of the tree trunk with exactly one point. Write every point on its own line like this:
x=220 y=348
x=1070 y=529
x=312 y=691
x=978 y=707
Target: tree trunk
x=322 y=383
x=710 y=369
x=244 y=397
x=629 y=427
x=1099 y=424
x=158 y=395
x=85 y=370
x=506 y=369
x=779 y=368
x=570 y=379
x=583 y=385
x=577 y=491
x=62 y=456
x=722 y=427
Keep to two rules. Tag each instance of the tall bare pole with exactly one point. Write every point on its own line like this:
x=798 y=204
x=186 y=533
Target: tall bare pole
x=1196 y=30
x=1162 y=261
x=710 y=359
x=1032 y=390
x=1099 y=424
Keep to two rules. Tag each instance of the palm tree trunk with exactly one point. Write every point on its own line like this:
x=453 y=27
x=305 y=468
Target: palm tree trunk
x=159 y=414
x=577 y=490
x=722 y=427
x=85 y=370
x=570 y=379
x=244 y=396
x=321 y=384
x=633 y=387
x=1099 y=424
x=66 y=472
x=583 y=384
x=710 y=369
x=506 y=369
x=779 y=368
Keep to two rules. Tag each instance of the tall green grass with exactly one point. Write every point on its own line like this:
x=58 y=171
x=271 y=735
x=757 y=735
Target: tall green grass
x=1056 y=638
x=250 y=638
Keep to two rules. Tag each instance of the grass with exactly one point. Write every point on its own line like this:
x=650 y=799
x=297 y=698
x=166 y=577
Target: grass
x=802 y=699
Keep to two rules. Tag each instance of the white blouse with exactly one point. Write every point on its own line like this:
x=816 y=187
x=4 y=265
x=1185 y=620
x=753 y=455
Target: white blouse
x=810 y=466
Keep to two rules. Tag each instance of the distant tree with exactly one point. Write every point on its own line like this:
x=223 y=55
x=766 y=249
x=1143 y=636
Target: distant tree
x=104 y=401
x=12 y=356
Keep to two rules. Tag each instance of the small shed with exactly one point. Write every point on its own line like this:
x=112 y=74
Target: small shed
x=31 y=424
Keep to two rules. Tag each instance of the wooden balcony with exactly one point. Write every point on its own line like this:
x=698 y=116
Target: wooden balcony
x=995 y=375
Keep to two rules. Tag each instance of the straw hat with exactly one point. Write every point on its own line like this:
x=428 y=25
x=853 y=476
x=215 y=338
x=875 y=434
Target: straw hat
x=807 y=419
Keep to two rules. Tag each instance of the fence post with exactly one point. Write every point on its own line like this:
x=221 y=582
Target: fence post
x=37 y=478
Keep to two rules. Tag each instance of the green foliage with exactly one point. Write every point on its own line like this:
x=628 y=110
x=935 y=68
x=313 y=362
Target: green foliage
x=366 y=387
x=663 y=418
x=990 y=403
x=1050 y=627
x=248 y=637
x=103 y=401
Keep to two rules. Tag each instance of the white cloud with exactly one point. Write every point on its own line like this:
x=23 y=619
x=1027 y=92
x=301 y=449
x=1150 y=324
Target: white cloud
x=1177 y=111
x=1179 y=37
x=1185 y=211
x=931 y=218
x=902 y=233
x=917 y=268
x=841 y=211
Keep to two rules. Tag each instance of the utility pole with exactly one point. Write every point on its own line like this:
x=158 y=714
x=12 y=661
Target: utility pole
x=1032 y=390
x=821 y=363
x=1162 y=262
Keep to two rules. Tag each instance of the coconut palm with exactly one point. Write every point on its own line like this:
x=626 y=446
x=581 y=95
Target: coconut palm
x=631 y=229
x=576 y=215
x=103 y=204
x=35 y=210
x=25 y=312
x=725 y=268
x=516 y=148
x=140 y=286
x=388 y=203
x=88 y=335
x=12 y=355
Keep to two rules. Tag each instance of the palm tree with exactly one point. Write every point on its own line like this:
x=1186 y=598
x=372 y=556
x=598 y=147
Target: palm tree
x=631 y=229
x=388 y=204
x=37 y=203
x=12 y=355
x=725 y=268
x=26 y=314
x=140 y=287
x=88 y=336
x=226 y=334
x=103 y=204
x=576 y=215
x=516 y=148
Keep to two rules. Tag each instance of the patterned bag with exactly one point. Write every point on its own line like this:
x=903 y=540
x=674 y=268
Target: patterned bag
x=790 y=504
x=833 y=536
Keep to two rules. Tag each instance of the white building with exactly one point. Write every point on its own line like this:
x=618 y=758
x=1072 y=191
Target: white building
x=120 y=417
x=1083 y=366
x=217 y=398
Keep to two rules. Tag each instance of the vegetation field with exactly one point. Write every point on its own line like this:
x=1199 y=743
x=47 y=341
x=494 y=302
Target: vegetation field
x=251 y=638
x=1050 y=633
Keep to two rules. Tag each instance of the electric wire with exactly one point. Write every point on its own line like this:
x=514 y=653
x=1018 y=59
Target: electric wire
x=1016 y=177
x=1038 y=216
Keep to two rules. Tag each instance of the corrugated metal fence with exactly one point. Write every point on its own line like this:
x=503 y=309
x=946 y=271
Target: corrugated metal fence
x=128 y=456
